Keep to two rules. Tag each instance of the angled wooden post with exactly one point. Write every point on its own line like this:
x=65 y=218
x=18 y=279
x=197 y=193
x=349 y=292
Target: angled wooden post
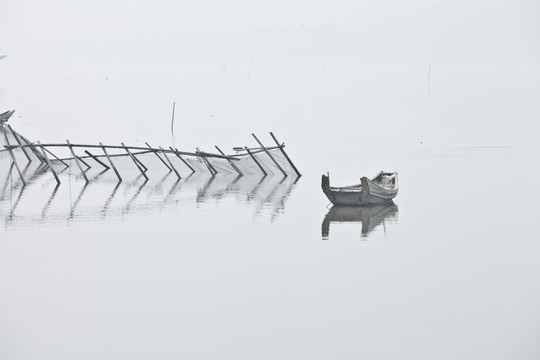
x=135 y=161
x=159 y=157
x=270 y=156
x=285 y=154
x=170 y=162
x=77 y=161
x=177 y=153
x=38 y=155
x=48 y=162
x=14 y=160
x=15 y=135
x=230 y=162
x=97 y=160
x=85 y=163
x=110 y=162
x=256 y=161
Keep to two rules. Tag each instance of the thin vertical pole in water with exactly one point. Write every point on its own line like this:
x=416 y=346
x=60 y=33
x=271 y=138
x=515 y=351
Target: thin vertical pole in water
x=14 y=160
x=230 y=162
x=97 y=160
x=135 y=161
x=77 y=161
x=270 y=156
x=48 y=162
x=20 y=143
x=170 y=162
x=177 y=153
x=286 y=156
x=159 y=157
x=256 y=161
x=110 y=162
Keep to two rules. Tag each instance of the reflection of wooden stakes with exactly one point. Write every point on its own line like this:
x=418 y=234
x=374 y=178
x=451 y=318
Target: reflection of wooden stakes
x=48 y=162
x=135 y=161
x=285 y=154
x=110 y=162
x=97 y=160
x=177 y=153
x=270 y=156
x=230 y=162
x=256 y=161
x=15 y=135
x=77 y=161
x=170 y=163
x=13 y=159
x=159 y=157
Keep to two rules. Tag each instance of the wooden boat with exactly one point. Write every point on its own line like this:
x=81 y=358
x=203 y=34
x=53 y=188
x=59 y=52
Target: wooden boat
x=369 y=216
x=380 y=189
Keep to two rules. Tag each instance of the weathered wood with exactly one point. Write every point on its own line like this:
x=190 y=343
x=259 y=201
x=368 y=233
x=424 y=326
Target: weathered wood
x=135 y=161
x=97 y=160
x=31 y=146
x=270 y=156
x=85 y=163
x=177 y=153
x=159 y=157
x=170 y=163
x=230 y=162
x=16 y=136
x=285 y=154
x=15 y=161
x=48 y=162
x=110 y=162
x=212 y=170
x=77 y=161
x=256 y=161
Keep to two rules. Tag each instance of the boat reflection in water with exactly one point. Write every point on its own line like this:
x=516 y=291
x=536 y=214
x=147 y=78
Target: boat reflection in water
x=370 y=217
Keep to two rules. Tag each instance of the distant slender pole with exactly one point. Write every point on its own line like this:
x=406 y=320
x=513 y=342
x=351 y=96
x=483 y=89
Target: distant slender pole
x=77 y=161
x=135 y=161
x=230 y=162
x=286 y=156
x=256 y=161
x=172 y=121
x=19 y=142
x=48 y=162
x=97 y=160
x=159 y=157
x=270 y=156
x=14 y=161
x=170 y=163
x=176 y=152
x=110 y=162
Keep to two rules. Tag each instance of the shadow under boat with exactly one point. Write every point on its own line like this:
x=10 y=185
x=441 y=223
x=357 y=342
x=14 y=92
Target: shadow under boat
x=369 y=216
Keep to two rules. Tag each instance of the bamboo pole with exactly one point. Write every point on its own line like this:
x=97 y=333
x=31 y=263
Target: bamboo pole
x=159 y=157
x=256 y=161
x=97 y=160
x=110 y=162
x=285 y=154
x=230 y=162
x=28 y=144
x=85 y=163
x=135 y=161
x=77 y=162
x=170 y=163
x=206 y=162
x=48 y=162
x=177 y=153
x=14 y=160
x=270 y=156
x=20 y=143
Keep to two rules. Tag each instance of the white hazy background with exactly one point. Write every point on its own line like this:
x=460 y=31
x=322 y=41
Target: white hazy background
x=302 y=69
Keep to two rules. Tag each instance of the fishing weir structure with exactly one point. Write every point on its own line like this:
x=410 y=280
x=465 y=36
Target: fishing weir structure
x=261 y=159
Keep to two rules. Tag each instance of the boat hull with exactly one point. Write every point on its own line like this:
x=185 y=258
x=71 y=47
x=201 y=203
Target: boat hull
x=369 y=192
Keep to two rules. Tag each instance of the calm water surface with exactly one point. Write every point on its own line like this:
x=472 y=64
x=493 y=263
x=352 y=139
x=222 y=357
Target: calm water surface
x=262 y=268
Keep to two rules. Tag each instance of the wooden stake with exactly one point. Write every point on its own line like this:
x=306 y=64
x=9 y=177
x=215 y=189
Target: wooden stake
x=270 y=156
x=177 y=153
x=77 y=162
x=159 y=157
x=48 y=162
x=85 y=163
x=170 y=163
x=14 y=160
x=97 y=160
x=285 y=154
x=110 y=162
x=135 y=161
x=256 y=161
x=230 y=162
x=19 y=142
x=38 y=155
